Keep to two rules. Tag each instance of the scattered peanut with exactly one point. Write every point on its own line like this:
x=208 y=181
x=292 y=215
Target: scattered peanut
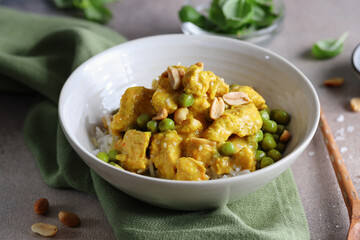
x=355 y=104
x=162 y=114
x=180 y=115
x=181 y=72
x=44 y=229
x=236 y=98
x=200 y=64
x=69 y=219
x=41 y=206
x=174 y=77
x=334 y=82
x=217 y=108
x=285 y=136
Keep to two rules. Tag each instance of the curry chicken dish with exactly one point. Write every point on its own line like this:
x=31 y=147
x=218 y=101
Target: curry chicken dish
x=192 y=126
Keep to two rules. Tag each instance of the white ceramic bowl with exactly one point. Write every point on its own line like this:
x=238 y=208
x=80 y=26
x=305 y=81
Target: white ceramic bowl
x=355 y=59
x=95 y=89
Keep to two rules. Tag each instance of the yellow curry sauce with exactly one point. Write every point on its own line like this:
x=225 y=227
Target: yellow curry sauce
x=191 y=151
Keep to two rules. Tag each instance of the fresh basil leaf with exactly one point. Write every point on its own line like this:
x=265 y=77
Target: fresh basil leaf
x=328 y=48
x=94 y=10
x=216 y=15
x=237 y=12
x=190 y=14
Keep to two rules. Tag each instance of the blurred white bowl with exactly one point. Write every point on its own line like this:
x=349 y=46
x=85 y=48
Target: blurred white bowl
x=95 y=89
x=356 y=60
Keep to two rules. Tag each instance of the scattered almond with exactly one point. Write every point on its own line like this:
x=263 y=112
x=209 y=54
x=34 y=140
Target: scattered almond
x=180 y=115
x=285 y=136
x=217 y=108
x=162 y=114
x=355 y=104
x=41 y=206
x=236 y=98
x=69 y=219
x=174 y=77
x=334 y=82
x=44 y=229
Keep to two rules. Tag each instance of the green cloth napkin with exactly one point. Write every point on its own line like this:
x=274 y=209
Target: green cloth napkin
x=37 y=54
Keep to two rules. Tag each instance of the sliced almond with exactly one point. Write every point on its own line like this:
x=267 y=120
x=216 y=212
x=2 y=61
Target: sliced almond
x=355 y=104
x=285 y=136
x=180 y=115
x=174 y=77
x=236 y=98
x=217 y=108
x=162 y=114
x=334 y=82
x=44 y=229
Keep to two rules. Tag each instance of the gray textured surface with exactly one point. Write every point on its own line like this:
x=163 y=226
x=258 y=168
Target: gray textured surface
x=21 y=183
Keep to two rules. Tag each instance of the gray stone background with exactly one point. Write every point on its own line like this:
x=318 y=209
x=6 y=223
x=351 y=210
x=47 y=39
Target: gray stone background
x=305 y=22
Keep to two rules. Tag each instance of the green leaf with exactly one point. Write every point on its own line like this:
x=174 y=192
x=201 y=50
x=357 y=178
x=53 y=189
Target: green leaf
x=94 y=10
x=237 y=12
x=328 y=48
x=189 y=14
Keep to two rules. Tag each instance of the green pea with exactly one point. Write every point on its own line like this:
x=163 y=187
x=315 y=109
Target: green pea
x=272 y=113
x=234 y=87
x=276 y=137
x=259 y=155
x=152 y=126
x=268 y=143
x=268 y=110
x=103 y=156
x=269 y=126
x=280 y=129
x=115 y=164
x=282 y=117
x=266 y=161
x=264 y=115
x=280 y=147
x=274 y=154
x=112 y=154
x=228 y=148
x=142 y=120
x=186 y=100
x=166 y=124
x=259 y=136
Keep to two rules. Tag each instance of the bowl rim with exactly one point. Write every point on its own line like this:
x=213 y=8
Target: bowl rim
x=261 y=32
x=301 y=147
x=356 y=52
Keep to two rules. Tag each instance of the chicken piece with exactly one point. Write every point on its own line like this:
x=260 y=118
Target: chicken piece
x=217 y=88
x=190 y=170
x=196 y=81
x=134 y=102
x=241 y=120
x=241 y=142
x=221 y=165
x=254 y=96
x=245 y=158
x=189 y=126
x=164 y=151
x=200 y=149
x=132 y=150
